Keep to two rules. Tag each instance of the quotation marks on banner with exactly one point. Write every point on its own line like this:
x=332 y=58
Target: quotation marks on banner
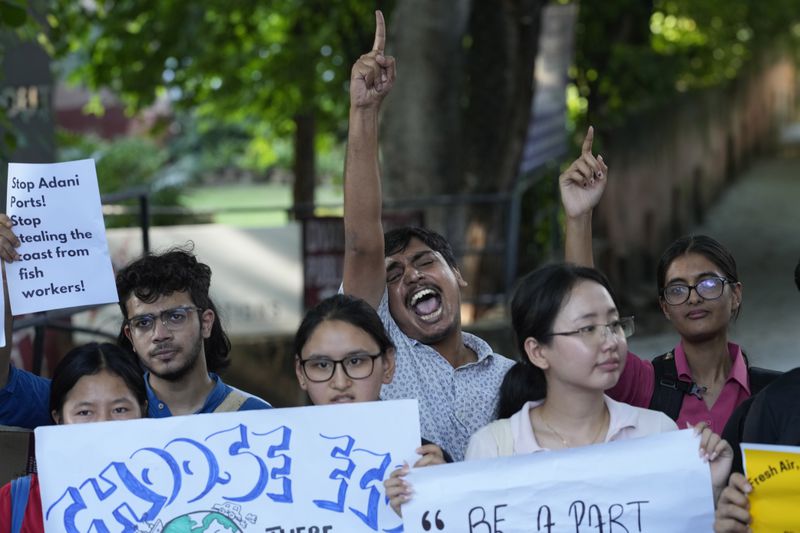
x=437 y=521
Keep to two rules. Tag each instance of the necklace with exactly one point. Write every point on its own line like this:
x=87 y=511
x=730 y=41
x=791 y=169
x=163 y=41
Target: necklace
x=564 y=441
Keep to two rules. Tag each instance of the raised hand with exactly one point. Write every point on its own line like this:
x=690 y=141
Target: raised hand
x=373 y=75
x=583 y=183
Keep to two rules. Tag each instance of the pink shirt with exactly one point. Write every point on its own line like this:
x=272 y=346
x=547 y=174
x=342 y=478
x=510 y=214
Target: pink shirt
x=637 y=382
x=624 y=422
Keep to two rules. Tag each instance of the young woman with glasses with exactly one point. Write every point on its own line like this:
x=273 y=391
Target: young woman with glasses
x=342 y=355
x=572 y=344
x=705 y=377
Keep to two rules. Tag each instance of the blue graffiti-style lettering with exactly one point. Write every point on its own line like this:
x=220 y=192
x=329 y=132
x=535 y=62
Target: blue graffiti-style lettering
x=281 y=473
x=124 y=495
x=213 y=478
x=367 y=482
x=172 y=465
x=110 y=491
x=240 y=448
x=374 y=467
x=342 y=474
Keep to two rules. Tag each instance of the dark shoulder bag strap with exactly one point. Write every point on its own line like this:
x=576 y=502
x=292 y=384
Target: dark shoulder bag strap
x=668 y=390
x=759 y=377
x=20 y=489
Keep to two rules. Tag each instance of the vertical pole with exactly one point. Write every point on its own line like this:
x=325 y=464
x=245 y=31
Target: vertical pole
x=144 y=221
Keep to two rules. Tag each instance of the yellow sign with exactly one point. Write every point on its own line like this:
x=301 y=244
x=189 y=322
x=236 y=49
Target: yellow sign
x=774 y=473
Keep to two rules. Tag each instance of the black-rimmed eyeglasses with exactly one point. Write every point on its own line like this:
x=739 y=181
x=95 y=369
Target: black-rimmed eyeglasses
x=355 y=366
x=707 y=289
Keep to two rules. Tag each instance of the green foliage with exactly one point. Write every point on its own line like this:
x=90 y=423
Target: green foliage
x=13 y=13
x=126 y=164
x=252 y=66
x=632 y=54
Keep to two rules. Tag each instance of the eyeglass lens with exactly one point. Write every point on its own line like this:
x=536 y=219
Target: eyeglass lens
x=355 y=367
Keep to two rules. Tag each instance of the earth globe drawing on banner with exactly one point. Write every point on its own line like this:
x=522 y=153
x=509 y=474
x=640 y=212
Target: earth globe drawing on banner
x=202 y=522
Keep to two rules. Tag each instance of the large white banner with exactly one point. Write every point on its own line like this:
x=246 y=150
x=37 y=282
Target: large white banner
x=57 y=216
x=655 y=484
x=305 y=469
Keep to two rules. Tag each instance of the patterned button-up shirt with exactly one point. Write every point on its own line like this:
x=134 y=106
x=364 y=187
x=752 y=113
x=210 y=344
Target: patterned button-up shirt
x=453 y=402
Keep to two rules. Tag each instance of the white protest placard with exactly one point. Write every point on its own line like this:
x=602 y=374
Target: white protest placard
x=655 y=484
x=305 y=469
x=57 y=216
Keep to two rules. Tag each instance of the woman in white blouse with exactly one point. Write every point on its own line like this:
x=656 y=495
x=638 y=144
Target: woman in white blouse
x=573 y=346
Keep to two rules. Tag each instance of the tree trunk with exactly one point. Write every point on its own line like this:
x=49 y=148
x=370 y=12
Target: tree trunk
x=457 y=119
x=501 y=68
x=421 y=127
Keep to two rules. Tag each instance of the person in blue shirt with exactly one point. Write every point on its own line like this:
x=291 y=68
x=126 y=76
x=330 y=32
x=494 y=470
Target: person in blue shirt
x=169 y=322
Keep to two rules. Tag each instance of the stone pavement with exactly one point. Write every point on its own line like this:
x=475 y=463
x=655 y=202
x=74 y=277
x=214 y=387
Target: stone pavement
x=758 y=219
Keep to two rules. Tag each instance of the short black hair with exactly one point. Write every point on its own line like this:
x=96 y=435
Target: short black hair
x=176 y=270
x=397 y=240
x=346 y=308
x=89 y=359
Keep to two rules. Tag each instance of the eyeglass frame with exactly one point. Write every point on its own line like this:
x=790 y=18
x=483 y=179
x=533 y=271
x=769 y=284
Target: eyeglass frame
x=372 y=357
x=607 y=328
x=160 y=317
x=724 y=280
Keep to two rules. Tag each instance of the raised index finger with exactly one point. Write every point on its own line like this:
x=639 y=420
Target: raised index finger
x=587 y=141
x=380 y=32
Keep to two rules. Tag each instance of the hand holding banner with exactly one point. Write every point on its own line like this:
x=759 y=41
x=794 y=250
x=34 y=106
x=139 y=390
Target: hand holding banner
x=655 y=484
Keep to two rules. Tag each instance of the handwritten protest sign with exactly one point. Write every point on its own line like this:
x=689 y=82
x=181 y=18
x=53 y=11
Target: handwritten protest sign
x=305 y=469
x=57 y=217
x=774 y=473
x=654 y=484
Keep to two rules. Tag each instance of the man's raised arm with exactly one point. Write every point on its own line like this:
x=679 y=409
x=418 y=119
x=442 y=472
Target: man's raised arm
x=371 y=79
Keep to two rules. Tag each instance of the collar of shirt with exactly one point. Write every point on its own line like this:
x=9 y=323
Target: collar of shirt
x=158 y=409
x=525 y=440
x=738 y=371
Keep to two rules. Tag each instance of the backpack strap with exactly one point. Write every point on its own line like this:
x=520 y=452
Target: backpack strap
x=668 y=390
x=760 y=378
x=20 y=489
x=232 y=402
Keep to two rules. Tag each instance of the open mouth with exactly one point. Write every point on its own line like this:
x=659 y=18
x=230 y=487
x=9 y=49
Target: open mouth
x=426 y=304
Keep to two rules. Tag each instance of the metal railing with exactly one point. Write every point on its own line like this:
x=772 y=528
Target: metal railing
x=510 y=202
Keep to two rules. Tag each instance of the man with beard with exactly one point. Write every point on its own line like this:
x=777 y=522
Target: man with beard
x=172 y=325
x=410 y=276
